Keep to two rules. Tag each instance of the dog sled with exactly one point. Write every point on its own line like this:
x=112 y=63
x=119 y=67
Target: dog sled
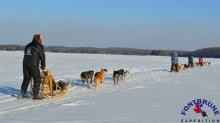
x=178 y=67
x=181 y=67
x=49 y=88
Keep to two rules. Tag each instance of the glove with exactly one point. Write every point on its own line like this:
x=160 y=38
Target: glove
x=45 y=69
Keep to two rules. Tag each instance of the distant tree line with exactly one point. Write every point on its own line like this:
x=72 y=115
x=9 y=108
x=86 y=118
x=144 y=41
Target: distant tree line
x=207 y=52
x=213 y=52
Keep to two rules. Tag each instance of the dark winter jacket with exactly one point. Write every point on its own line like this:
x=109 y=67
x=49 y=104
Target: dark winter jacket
x=190 y=58
x=174 y=59
x=34 y=55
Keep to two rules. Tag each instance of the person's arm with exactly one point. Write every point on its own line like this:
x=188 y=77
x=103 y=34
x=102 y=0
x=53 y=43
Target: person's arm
x=42 y=56
x=43 y=60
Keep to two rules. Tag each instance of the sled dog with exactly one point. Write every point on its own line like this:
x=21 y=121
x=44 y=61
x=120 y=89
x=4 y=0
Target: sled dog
x=85 y=76
x=99 y=77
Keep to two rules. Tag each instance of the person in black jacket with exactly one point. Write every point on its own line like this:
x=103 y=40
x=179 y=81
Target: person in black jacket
x=33 y=56
x=190 y=61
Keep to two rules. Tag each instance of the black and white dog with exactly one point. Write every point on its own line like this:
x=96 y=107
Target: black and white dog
x=85 y=76
x=119 y=74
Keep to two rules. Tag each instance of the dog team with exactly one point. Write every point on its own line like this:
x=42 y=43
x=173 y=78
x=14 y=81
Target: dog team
x=87 y=77
x=34 y=59
x=179 y=67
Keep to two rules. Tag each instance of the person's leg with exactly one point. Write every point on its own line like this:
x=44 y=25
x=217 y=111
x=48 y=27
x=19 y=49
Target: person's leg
x=190 y=64
x=35 y=73
x=26 y=80
x=171 y=69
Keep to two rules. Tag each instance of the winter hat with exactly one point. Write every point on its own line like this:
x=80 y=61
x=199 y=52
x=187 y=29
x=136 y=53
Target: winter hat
x=37 y=38
x=175 y=54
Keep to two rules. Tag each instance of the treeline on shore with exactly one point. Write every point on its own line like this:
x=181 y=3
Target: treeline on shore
x=206 y=52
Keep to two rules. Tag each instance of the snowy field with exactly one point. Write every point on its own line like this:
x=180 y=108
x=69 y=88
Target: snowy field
x=151 y=94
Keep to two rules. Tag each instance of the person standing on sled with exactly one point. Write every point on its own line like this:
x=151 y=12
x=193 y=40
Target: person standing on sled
x=174 y=62
x=190 y=61
x=201 y=61
x=33 y=56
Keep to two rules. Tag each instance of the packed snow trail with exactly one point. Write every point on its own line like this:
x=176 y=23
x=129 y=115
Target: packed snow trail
x=151 y=94
x=76 y=91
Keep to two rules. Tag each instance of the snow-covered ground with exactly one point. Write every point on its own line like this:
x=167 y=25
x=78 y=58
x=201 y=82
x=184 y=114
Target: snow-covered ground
x=151 y=94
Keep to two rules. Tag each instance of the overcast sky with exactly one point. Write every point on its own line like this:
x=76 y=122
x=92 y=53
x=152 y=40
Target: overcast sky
x=145 y=24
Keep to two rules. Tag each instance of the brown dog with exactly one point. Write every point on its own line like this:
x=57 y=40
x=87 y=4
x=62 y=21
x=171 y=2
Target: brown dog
x=99 y=77
x=98 y=73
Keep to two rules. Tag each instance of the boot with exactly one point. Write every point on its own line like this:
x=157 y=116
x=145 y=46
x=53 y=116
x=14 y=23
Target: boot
x=38 y=97
x=23 y=95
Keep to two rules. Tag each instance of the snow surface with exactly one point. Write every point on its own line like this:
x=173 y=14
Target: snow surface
x=151 y=94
